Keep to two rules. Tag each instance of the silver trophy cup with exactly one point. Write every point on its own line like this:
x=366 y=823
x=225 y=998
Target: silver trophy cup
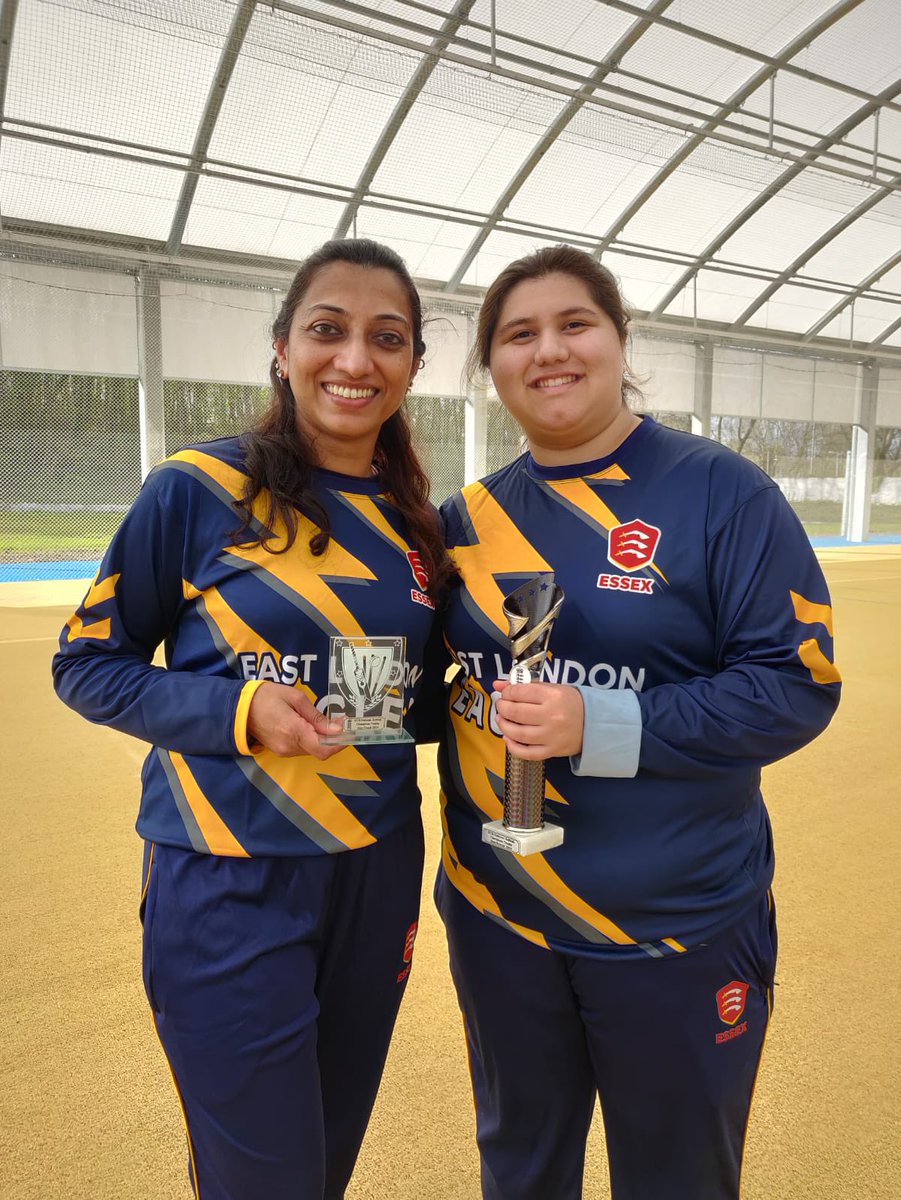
x=530 y=611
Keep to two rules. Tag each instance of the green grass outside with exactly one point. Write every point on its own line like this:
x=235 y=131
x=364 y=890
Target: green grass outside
x=79 y=534
x=823 y=518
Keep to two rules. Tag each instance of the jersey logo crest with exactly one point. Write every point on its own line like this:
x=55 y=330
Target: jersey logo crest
x=420 y=574
x=730 y=1001
x=632 y=545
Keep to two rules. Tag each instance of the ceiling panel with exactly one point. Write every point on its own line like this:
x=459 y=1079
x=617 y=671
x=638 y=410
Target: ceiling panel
x=307 y=102
x=304 y=226
x=686 y=62
x=890 y=137
x=684 y=214
x=415 y=238
x=804 y=103
x=793 y=309
x=249 y=219
x=643 y=281
x=866 y=320
x=891 y=280
x=379 y=14
x=778 y=233
x=457 y=157
x=118 y=73
x=715 y=296
x=853 y=254
x=499 y=250
x=583 y=27
x=766 y=26
x=65 y=187
x=863 y=49
x=579 y=187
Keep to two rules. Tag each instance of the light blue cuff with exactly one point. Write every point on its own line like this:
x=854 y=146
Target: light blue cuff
x=611 y=742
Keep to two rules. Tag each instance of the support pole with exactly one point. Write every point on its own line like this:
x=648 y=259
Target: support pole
x=858 y=492
x=475 y=421
x=151 y=410
x=703 y=393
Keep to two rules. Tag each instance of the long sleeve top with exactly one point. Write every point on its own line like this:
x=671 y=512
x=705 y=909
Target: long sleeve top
x=697 y=623
x=230 y=616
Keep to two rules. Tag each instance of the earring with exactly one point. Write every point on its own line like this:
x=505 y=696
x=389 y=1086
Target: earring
x=279 y=374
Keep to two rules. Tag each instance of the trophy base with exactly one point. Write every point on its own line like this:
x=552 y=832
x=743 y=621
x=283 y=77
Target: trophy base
x=522 y=841
x=366 y=737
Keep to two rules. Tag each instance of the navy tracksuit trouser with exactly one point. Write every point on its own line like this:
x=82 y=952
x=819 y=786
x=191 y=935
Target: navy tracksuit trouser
x=670 y=1046
x=275 y=984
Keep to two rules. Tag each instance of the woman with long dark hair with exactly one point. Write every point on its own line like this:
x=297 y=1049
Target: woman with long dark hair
x=282 y=871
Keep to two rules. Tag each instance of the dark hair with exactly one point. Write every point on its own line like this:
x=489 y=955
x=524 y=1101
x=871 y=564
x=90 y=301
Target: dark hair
x=281 y=458
x=552 y=260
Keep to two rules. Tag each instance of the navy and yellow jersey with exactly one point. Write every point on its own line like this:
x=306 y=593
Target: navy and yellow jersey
x=231 y=615
x=689 y=580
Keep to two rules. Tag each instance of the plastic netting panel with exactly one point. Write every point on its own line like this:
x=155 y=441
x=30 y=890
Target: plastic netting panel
x=198 y=412
x=70 y=455
x=437 y=423
x=885 y=500
x=505 y=440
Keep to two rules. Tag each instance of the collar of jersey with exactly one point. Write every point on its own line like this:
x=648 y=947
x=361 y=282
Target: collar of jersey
x=336 y=481
x=579 y=470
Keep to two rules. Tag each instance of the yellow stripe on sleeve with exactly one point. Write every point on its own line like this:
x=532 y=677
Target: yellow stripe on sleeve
x=217 y=835
x=500 y=548
x=227 y=477
x=99 y=591
x=816 y=662
x=811 y=613
x=674 y=945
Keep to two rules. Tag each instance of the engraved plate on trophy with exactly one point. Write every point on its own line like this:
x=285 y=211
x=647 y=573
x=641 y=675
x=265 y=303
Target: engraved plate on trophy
x=366 y=689
x=530 y=611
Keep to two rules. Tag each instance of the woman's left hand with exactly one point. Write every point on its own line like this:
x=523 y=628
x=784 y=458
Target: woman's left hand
x=540 y=720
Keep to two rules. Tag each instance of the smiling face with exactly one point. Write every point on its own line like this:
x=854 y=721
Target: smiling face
x=557 y=363
x=349 y=360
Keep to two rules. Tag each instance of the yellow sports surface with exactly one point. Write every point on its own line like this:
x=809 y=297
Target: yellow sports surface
x=88 y=1110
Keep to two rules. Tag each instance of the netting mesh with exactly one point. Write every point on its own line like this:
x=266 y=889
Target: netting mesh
x=196 y=411
x=437 y=426
x=69 y=463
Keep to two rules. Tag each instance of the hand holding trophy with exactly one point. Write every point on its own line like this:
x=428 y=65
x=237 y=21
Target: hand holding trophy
x=530 y=611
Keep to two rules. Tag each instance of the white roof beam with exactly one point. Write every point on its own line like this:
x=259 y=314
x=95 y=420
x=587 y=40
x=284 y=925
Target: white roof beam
x=863 y=286
x=224 y=70
x=703 y=260
x=637 y=29
x=748 y=51
x=420 y=78
x=787 y=274
x=813 y=31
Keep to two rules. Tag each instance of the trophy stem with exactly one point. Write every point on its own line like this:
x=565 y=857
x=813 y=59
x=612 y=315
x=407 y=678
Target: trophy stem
x=523 y=794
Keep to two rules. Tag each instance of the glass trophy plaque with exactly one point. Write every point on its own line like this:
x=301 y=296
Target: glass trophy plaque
x=366 y=689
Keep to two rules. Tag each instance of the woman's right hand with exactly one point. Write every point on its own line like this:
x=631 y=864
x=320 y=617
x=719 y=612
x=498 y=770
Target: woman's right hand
x=286 y=721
